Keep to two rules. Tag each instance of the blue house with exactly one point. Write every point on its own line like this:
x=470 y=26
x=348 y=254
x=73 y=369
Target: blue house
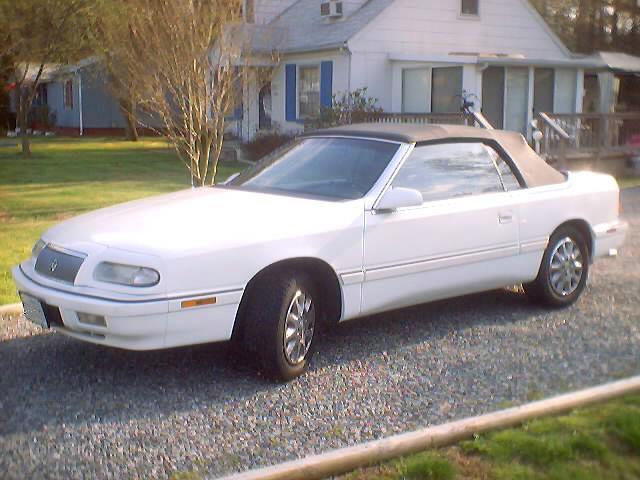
x=78 y=99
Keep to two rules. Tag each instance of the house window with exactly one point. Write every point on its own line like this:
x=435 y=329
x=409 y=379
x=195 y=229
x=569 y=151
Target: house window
x=470 y=7
x=437 y=90
x=249 y=11
x=41 y=95
x=309 y=91
x=415 y=90
x=68 y=95
x=543 y=90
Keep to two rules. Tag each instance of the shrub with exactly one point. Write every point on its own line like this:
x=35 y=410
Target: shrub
x=263 y=145
x=42 y=118
x=346 y=108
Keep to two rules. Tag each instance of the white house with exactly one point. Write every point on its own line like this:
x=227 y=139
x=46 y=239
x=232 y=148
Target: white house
x=414 y=56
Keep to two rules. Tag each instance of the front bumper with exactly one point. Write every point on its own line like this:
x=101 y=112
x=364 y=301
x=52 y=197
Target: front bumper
x=137 y=325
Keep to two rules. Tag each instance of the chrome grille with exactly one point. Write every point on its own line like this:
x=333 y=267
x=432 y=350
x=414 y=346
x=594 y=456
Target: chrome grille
x=59 y=265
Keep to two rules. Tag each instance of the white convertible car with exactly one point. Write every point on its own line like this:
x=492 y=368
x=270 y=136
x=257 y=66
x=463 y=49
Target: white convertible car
x=340 y=224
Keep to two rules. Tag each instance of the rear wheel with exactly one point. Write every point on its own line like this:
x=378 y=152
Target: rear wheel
x=280 y=323
x=564 y=270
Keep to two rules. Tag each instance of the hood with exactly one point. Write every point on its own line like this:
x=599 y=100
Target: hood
x=200 y=219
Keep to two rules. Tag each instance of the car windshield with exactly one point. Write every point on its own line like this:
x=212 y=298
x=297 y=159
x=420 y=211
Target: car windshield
x=339 y=168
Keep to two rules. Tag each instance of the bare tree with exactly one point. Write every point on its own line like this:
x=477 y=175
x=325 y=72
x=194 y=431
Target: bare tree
x=111 y=41
x=34 y=34
x=184 y=57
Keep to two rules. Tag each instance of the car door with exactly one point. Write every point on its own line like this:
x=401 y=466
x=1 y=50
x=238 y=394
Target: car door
x=462 y=239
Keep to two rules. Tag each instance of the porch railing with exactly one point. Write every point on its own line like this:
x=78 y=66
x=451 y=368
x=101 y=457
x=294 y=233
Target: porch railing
x=587 y=134
x=473 y=119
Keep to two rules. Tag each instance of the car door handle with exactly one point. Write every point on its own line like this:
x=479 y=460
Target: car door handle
x=506 y=217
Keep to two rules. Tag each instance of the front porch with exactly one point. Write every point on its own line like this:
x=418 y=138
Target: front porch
x=594 y=141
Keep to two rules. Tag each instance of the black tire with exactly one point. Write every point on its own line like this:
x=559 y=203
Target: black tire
x=543 y=289
x=265 y=322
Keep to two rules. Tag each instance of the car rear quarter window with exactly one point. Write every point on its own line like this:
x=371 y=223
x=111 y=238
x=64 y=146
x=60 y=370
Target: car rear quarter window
x=450 y=170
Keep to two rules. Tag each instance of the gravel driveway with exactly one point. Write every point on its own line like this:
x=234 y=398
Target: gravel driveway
x=74 y=410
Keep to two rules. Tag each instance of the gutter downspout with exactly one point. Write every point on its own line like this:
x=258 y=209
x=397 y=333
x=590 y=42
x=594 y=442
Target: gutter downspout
x=346 y=48
x=80 y=100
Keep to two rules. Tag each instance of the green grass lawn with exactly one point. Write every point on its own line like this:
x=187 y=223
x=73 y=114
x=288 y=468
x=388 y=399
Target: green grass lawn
x=66 y=177
x=628 y=182
x=600 y=442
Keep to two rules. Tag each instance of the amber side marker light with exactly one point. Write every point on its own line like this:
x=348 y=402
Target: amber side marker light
x=199 y=302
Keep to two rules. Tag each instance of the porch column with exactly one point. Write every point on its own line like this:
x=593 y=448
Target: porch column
x=608 y=92
x=244 y=121
x=471 y=86
x=532 y=73
x=579 y=91
x=396 y=88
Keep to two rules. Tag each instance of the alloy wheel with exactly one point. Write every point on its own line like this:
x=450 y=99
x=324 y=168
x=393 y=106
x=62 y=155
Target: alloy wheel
x=299 y=327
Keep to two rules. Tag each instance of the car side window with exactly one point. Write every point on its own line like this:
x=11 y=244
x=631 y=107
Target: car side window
x=509 y=180
x=450 y=170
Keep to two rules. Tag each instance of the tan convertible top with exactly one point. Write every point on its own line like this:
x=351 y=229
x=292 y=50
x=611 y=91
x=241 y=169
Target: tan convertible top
x=534 y=170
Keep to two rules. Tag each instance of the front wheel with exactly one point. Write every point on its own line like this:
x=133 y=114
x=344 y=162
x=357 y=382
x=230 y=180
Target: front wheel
x=281 y=323
x=564 y=270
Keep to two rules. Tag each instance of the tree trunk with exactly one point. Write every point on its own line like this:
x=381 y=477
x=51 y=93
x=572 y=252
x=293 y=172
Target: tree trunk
x=131 y=128
x=213 y=154
x=130 y=122
x=26 y=145
x=203 y=158
x=22 y=123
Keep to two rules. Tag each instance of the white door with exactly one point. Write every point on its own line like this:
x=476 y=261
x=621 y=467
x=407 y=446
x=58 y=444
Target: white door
x=463 y=239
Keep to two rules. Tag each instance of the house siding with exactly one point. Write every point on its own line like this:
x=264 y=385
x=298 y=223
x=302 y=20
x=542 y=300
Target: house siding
x=432 y=34
x=433 y=26
x=65 y=117
x=99 y=108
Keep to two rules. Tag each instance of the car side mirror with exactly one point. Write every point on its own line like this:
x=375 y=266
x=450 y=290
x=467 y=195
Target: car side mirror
x=399 y=197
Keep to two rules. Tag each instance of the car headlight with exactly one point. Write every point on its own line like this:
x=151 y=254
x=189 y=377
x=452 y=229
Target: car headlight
x=130 y=275
x=37 y=248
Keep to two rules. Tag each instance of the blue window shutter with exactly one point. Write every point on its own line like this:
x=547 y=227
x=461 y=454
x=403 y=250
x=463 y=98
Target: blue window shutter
x=326 y=84
x=238 y=112
x=290 y=92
